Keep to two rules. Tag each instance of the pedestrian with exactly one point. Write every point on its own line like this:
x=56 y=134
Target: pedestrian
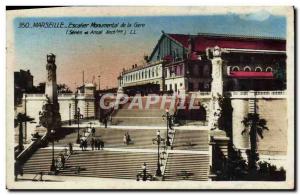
x=92 y=143
x=102 y=144
x=81 y=144
x=125 y=139
x=105 y=122
x=93 y=131
x=71 y=148
x=128 y=138
x=85 y=144
x=98 y=144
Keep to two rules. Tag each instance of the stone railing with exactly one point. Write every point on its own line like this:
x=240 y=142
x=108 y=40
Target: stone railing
x=66 y=95
x=257 y=94
x=202 y=94
x=34 y=95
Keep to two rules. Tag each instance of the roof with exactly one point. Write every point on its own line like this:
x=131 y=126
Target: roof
x=203 y=41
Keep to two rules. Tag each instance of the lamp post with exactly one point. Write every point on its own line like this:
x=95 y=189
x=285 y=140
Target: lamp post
x=167 y=115
x=78 y=115
x=52 y=134
x=144 y=167
x=70 y=114
x=144 y=175
x=158 y=140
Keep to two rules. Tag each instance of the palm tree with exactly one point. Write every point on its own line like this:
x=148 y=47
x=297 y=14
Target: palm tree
x=19 y=120
x=255 y=126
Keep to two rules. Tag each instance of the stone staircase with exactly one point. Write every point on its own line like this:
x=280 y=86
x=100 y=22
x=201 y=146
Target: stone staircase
x=108 y=164
x=135 y=116
x=187 y=167
x=251 y=106
x=141 y=138
x=40 y=161
x=191 y=140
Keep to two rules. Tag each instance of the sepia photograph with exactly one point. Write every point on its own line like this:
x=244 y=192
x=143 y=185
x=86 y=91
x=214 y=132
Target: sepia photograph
x=173 y=98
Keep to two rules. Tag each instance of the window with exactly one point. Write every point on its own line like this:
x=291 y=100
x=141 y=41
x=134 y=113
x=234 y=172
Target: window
x=269 y=69
x=156 y=71
x=175 y=87
x=142 y=75
x=258 y=69
x=235 y=68
x=170 y=87
x=152 y=72
x=247 y=69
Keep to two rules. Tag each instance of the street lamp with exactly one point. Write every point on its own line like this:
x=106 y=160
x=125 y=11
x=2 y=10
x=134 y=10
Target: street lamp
x=78 y=115
x=52 y=134
x=167 y=115
x=70 y=105
x=158 y=140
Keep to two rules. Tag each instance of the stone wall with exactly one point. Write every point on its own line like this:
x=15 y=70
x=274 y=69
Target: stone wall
x=273 y=147
x=35 y=102
x=275 y=113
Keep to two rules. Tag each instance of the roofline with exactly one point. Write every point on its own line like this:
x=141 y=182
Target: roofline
x=231 y=36
x=142 y=67
x=255 y=51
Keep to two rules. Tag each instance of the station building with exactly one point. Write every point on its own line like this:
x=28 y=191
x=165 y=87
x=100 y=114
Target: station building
x=249 y=70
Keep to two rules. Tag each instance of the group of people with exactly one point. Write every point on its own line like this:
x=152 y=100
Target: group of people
x=97 y=144
x=83 y=144
x=126 y=138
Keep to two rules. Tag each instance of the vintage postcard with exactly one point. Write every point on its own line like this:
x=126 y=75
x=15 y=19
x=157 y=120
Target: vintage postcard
x=150 y=98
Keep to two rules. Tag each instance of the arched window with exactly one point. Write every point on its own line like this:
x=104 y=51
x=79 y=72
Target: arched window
x=269 y=69
x=247 y=69
x=258 y=69
x=235 y=68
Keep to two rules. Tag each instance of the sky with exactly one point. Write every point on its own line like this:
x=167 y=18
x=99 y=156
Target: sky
x=106 y=55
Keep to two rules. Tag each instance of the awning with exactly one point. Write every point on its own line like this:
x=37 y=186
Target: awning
x=255 y=75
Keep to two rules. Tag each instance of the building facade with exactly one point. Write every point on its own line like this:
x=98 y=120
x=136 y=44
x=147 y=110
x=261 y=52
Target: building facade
x=181 y=62
x=251 y=71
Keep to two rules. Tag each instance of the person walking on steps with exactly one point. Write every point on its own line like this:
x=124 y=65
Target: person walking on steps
x=125 y=139
x=102 y=144
x=93 y=131
x=81 y=144
x=92 y=143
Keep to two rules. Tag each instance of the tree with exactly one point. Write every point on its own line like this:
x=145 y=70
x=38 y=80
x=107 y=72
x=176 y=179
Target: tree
x=255 y=127
x=19 y=120
x=63 y=88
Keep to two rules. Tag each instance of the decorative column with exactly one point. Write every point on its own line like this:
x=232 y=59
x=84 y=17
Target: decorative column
x=216 y=87
x=218 y=136
x=50 y=117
